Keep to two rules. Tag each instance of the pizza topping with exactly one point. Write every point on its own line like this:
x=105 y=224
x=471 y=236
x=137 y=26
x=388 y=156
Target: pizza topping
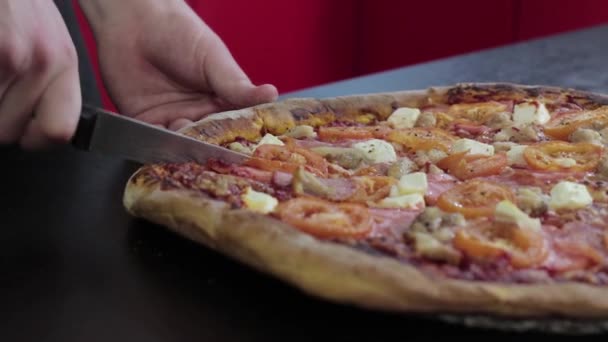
x=531 y=200
x=281 y=179
x=500 y=120
x=432 y=156
x=438 y=184
x=325 y=219
x=515 y=156
x=577 y=245
x=602 y=166
x=440 y=223
x=426 y=120
x=422 y=139
x=334 y=189
x=465 y=129
x=464 y=166
x=479 y=112
x=356 y=189
x=337 y=134
x=409 y=201
x=569 y=195
x=413 y=183
x=559 y=155
x=377 y=151
x=404 y=117
x=268 y=139
x=432 y=232
x=472 y=147
x=532 y=112
x=301 y=131
x=523 y=134
x=241 y=148
x=484 y=241
x=586 y=135
x=401 y=167
x=509 y=213
x=289 y=158
x=474 y=198
x=347 y=157
x=259 y=202
x=562 y=126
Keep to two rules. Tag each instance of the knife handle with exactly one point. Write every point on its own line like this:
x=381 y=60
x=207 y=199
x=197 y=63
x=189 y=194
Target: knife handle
x=85 y=128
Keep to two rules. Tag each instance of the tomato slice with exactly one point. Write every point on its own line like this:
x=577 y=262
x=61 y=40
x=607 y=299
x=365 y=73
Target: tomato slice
x=474 y=198
x=326 y=219
x=479 y=112
x=560 y=155
x=486 y=240
x=372 y=188
x=561 y=126
x=287 y=158
x=333 y=134
x=466 y=166
x=422 y=138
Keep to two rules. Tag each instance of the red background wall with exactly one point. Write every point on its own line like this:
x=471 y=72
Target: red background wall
x=301 y=43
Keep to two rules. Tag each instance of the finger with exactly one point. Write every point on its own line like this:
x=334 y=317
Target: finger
x=57 y=112
x=34 y=138
x=18 y=105
x=179 y=124
x=192 y=109
x=231 y=83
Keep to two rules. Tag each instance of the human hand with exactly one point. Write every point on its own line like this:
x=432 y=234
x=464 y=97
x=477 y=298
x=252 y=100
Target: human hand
x=164 y=65
x=39 y=86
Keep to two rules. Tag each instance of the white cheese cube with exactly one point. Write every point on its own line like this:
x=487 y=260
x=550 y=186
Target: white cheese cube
x=565 y=162
x=269 y=139
x=404 y=117
x=377 y=151
x=569 y=195
x=259 y=202
x=238 y=147
x=413 y=183
x=473 y=147
x=515 y=156
x=405 y=201
x=532 y=112
x=302 y=131
x=507 y=212
x=394 y=191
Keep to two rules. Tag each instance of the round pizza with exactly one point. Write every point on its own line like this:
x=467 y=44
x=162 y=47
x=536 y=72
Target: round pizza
x=472 y=198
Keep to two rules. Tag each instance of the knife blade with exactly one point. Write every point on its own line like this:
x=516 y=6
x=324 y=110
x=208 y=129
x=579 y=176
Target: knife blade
x=112 y=134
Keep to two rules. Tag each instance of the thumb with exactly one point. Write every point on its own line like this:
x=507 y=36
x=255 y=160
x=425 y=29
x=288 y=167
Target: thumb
x=230 y=83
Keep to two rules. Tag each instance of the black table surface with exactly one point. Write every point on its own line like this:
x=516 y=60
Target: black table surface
x=75 y=267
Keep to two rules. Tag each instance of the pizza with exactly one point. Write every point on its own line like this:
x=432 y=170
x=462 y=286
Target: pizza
x=471 y=198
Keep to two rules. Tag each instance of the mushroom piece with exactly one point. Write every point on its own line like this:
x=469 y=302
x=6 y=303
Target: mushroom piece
x=347 y=157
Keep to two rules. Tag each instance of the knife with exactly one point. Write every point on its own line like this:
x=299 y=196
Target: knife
x=112 y=134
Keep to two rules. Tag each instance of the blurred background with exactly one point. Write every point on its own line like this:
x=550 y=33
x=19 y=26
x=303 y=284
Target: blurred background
x=296 y=44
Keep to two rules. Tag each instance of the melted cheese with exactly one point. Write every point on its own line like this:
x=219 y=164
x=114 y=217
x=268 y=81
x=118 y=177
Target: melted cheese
x=403 y=201
x=532 y=112
x=404 y=117
x=259 y=202
x=377 y=151
x=473 y=147
x=569 y=195
x=269 y=139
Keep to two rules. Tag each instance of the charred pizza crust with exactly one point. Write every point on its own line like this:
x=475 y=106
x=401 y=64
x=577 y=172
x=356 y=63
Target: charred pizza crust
x=337 y=272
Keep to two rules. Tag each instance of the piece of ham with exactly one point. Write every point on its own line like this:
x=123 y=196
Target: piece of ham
x=392 y=222
x=438 y=184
